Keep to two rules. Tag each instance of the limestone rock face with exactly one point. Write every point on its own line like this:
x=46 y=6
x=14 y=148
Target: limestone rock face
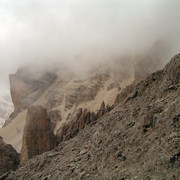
x=71 y=92
x=26 y=87
x=38 y=136
x=9 y=158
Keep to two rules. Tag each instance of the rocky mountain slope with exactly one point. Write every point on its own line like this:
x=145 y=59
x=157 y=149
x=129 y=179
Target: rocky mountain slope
x=6 y=108
x=65 y=98
x=139 y=138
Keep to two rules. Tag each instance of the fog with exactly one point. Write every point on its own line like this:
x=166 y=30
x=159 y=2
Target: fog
x=79 y=33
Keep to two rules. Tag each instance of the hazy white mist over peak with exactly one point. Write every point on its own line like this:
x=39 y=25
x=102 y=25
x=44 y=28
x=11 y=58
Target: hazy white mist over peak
x=44 y=32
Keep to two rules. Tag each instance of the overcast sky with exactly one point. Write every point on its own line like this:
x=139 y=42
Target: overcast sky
x=43 y=31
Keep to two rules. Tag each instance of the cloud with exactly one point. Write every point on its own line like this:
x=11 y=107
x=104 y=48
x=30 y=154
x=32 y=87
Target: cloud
x=41 y=32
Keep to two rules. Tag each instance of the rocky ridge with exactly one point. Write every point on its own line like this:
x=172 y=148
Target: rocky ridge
x=139 y=138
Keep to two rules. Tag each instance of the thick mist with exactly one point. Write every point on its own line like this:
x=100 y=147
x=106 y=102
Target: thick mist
x=80 y=33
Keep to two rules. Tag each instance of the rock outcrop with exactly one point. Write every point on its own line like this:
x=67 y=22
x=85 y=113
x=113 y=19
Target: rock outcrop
x=83 y=117
x=9 y=158
x=26 y=87
x=38 y=136
x=138 y=139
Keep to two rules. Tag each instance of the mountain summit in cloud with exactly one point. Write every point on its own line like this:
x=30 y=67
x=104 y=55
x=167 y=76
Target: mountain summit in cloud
x=44 y=33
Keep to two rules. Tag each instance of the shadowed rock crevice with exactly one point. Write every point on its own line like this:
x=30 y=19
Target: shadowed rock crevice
x=9 y=158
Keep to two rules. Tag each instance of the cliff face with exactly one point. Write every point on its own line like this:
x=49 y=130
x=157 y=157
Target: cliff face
x=139 y=138
x=9 y=158
x=38 y=136
x=26 y=87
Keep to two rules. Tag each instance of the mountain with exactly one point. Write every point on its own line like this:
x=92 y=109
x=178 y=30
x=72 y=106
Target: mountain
x=65 y=95
x=105 y=125
x=6 y=108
